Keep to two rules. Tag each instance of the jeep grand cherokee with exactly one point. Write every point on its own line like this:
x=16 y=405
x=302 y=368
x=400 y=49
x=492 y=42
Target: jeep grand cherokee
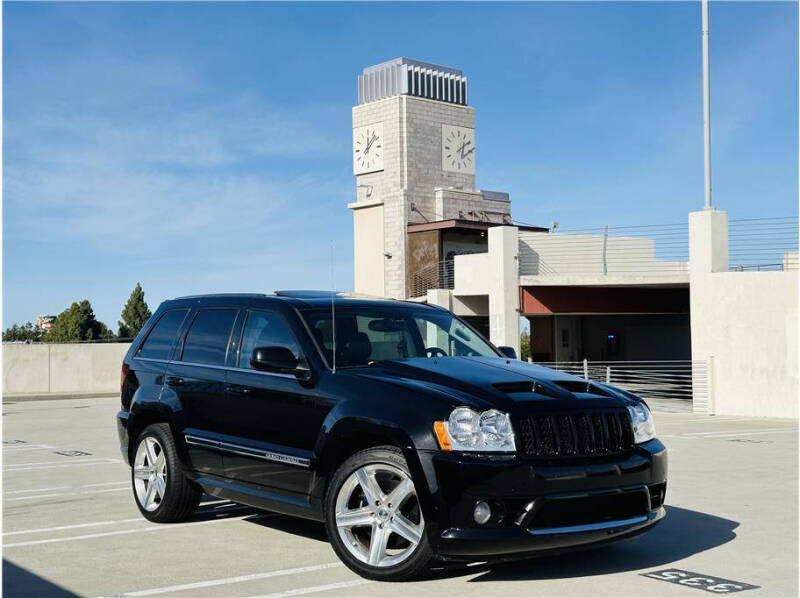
x=395 y=423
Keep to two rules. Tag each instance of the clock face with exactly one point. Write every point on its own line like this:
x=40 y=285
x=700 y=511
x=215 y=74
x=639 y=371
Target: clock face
x=368 y=148
x=458 y=149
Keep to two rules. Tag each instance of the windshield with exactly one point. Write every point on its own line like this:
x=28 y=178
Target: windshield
x=366 y=334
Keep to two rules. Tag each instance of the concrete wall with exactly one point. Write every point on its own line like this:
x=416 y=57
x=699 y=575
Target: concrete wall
x=744 y=324
x=62 y=368
x=554 y=254
x=494 y=274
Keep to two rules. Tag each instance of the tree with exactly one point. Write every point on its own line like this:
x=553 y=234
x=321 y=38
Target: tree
x=134 y=314
x=524 y=345
x=26 y=332
x=77 y=323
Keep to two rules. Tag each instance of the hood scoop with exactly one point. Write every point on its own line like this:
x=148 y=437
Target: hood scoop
x=557 y=389
x=582 y=387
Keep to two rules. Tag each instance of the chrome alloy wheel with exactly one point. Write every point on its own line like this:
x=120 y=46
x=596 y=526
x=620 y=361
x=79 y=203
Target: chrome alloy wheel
x=378 y=515
x=150 y=474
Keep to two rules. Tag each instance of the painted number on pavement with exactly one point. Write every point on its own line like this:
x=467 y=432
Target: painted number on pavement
x=716 y=585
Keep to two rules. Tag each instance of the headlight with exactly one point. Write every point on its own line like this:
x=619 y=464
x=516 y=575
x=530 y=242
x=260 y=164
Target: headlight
x=468 y=430
x=644 y=428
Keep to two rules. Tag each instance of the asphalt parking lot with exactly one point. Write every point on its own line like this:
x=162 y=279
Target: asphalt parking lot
x=70 y=526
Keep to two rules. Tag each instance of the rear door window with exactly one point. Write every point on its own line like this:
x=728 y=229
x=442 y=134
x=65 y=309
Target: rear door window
x=207 y=339
x=158 y=343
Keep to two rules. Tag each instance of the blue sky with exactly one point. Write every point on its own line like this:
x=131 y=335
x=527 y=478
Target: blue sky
x=206 y=147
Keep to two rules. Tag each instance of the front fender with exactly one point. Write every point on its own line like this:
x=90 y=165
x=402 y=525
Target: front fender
x=402 y=429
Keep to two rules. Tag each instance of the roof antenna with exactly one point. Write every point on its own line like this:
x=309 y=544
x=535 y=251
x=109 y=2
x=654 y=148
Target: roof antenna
x=333 y=310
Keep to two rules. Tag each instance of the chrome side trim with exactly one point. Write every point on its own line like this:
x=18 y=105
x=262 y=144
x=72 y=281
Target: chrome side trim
x=248 y=451
x=200 y=441
x=593 y=527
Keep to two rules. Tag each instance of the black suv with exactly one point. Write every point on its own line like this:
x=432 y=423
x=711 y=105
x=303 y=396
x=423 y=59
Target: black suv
x=395 y=423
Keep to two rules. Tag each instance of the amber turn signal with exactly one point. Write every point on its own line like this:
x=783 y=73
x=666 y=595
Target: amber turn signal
x=440 y=428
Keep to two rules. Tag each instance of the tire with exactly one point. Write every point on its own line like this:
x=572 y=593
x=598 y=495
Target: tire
x=353 y=517
x=174 y=497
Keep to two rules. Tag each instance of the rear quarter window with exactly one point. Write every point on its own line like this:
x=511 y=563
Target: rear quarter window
x=159 y=341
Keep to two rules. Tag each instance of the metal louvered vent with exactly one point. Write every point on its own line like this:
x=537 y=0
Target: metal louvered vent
x=580 y=434
x=403 y=76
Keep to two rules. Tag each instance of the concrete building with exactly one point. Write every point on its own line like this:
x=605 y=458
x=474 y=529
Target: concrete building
x=661 y=295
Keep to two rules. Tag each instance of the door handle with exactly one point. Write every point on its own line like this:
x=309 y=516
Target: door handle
x=175 y=381
x=239 y=390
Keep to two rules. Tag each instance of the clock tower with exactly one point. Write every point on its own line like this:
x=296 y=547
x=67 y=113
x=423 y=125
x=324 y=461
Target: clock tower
x=414 y=154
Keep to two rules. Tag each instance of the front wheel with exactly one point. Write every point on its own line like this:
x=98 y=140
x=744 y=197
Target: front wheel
x=162 y=492
x=373 y=516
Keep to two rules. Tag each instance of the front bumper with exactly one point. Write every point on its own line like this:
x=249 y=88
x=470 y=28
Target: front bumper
x=546 y=507
x=506 y=542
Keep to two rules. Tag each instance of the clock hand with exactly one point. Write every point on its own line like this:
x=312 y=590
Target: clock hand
x=468 y=153
x=370 y=142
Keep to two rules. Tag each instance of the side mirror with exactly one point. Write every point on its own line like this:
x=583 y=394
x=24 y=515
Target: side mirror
x=509 y=352
x=280 y=360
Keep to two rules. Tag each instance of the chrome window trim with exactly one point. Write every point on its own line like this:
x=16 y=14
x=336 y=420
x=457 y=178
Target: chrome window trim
x=248 y=451
x=218 y=367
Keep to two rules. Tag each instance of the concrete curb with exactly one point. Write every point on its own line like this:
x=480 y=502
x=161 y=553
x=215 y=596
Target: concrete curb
x=54 y=396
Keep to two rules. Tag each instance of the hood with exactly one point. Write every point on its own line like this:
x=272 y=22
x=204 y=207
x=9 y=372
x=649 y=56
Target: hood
x=495 y=382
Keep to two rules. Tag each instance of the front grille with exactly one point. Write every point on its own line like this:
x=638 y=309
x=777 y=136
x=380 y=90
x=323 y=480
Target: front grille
x=580 y=434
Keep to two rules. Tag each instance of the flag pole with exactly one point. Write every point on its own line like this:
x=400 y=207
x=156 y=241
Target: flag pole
x=706 y=110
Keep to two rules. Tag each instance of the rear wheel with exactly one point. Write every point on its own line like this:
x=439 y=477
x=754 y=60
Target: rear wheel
x=162 y=492
x=373 y=516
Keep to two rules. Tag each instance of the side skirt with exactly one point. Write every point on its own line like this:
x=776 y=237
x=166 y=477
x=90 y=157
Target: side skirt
x=296 y=505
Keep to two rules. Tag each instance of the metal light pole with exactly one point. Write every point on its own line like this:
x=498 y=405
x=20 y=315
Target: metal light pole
x=706 y=110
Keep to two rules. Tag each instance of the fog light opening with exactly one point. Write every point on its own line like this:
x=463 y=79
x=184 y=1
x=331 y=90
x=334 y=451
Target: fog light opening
x=482 y=512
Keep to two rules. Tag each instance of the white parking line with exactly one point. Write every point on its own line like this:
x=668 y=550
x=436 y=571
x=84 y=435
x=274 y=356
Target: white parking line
x=56 y=464
x=312 y=589
x=26 y=447
x=726 y=433
x=56 y=495
x=750 y=431
x=754 y=433
x=126 y=531
x=66 y=487
x=58 y=528
x=230 y=580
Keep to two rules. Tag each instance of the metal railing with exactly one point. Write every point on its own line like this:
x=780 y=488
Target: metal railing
x=759 y=244
x=621 y=250
x=439 y=275
x=681 y=379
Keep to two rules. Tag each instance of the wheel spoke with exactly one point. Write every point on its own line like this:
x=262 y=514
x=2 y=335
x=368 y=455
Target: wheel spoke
x=161 y=486
x=142 y=473
x=355 y=517
x=372 y=491
x=403 y=527
x=161 y=464
x=377 y=544
x=400 y=493
x=150 y=496
x=150 y=447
